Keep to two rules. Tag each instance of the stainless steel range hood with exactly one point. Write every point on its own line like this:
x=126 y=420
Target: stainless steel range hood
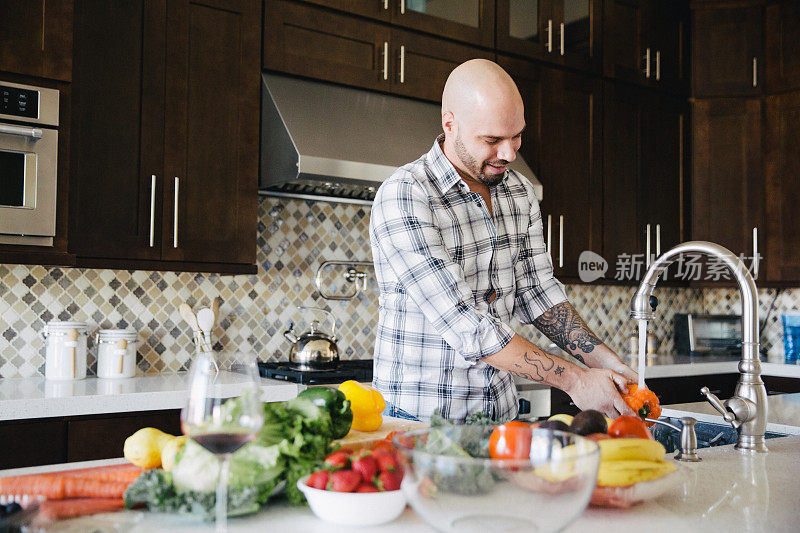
x=324 y=140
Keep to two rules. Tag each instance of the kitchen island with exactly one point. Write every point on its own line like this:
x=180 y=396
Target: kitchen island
x=727 y=491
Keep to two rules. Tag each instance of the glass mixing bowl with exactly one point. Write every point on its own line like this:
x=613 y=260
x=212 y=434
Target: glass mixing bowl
x=453 y=485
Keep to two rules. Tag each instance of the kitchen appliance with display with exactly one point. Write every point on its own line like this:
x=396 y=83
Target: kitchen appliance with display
x=708 y=335
x=28 y=163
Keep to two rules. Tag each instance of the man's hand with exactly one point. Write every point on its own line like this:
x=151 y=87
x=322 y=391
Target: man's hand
x=599 y=388
x=612 y=362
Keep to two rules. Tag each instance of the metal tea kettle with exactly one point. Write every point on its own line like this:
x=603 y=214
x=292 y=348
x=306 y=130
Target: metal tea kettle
x=313 y=349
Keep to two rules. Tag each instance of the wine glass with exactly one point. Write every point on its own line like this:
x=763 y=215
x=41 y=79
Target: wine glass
x=224 y=412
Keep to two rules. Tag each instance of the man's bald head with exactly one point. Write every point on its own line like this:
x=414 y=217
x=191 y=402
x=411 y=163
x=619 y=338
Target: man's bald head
x=479 y=86
x=482 y=118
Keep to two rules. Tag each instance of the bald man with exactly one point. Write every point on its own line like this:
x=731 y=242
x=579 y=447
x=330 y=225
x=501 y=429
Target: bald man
x=457 y=243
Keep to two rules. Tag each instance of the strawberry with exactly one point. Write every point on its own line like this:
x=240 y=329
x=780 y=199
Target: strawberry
x=367 y=466
x=367 y=487
x=338 y=459
x=318 y=480
x=345 y=480
x=389 y=480
x=387 y=462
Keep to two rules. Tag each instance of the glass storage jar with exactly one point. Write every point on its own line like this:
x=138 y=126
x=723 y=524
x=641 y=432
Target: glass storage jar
x=116 y=353
x=65 y=357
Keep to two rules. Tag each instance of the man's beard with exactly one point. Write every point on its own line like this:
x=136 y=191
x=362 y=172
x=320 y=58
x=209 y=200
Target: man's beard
x=476 y=169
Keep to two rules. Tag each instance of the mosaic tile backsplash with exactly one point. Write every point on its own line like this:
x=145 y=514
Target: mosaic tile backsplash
x=294 y=237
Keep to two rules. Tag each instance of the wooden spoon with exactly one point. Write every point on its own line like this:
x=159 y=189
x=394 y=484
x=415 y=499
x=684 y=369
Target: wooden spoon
x=122 y=345
x=72 y=335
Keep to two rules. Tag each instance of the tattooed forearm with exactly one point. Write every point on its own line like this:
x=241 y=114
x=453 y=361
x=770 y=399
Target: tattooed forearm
x=564 y=326
x=534 y=367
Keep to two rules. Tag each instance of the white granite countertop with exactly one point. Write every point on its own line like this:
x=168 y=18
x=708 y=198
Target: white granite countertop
x=783 y=415
x=22 y=398
x=674 y=365
x=726 y=491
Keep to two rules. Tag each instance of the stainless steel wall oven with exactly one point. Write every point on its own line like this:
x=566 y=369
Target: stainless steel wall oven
x=28 y=164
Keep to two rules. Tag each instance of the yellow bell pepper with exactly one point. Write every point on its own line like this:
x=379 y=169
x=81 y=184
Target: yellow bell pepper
x=366 y=403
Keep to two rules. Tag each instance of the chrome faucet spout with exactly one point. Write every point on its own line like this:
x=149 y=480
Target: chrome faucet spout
x=747 y=410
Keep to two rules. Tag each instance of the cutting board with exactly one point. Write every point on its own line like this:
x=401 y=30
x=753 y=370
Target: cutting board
x=364 y=439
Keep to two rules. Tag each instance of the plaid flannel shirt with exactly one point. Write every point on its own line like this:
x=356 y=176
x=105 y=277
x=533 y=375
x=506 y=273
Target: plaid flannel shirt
x=439 y=256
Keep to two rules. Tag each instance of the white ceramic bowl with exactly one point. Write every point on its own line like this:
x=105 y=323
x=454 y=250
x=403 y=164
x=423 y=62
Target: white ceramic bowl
x=353 y=508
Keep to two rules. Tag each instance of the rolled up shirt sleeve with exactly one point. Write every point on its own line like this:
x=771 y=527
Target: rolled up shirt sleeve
x=410 y=242
x=537 y=288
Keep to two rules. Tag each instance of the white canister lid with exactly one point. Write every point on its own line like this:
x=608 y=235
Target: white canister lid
x=117 y=334
x=59 y=326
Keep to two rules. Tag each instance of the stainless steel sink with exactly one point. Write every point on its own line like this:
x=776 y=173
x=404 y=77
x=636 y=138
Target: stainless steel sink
x=708 y=434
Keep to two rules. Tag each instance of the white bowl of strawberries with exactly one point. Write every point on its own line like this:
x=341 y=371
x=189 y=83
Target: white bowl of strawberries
x=356 y=488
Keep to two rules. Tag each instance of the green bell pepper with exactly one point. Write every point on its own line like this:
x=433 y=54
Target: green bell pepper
x=336 y=404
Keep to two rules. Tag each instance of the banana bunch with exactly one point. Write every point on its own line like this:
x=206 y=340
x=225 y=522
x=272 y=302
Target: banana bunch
x=627 y=461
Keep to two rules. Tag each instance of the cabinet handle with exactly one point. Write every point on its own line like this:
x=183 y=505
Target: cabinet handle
x=385 y=4
x=647 y=63
x=658 y=65
x=550 y=35
x=385 y=60
x=755 y=72
x=152 y=208
x=562 y=38
x=755 y=253
x=175 y=215
x=402 y=7
x=561 y=241
x=658 y=240
x=549 y=221
x=402 y=63
x=647 y=247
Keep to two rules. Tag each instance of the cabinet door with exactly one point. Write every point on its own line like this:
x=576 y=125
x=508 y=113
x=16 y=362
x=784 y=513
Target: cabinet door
x=471 y=21
x=663 y=180
x=525 y=27
x=668 y=25
x=376 y=9
x=578 y=25
x=118 y=129
x=528 y=77
x=36 y=38
x=212 y=137
x=625 y=30
x=420 y=65
x=622 y=163
x=726 y=52
x=783 y=46
x=783 y=187
x=727 y=172
x=313 y=42
x=35 y=443
x=571 y=161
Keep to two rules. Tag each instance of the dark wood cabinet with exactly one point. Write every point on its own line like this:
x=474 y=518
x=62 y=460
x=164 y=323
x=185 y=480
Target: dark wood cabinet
x=77 y=438
x=310 y=41
x=470 y=21
x=36 y=38
x=570 y=166
x=646 y=42
x=165 y=150
x=727 y=56
x=728 y=173
x=686 y=389
x=321 y=44
x=782 y=146
x=783 y=46
x=643 y=174
x=563 y=32
x=421 y=64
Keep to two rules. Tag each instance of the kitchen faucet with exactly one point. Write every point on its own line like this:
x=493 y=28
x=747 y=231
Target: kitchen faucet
x=746 y=411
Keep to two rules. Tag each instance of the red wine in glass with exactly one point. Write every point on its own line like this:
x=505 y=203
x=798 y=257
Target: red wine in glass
x=219 y=443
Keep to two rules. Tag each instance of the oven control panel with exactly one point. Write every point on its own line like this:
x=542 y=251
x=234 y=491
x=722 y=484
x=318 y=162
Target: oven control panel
x=19 y=102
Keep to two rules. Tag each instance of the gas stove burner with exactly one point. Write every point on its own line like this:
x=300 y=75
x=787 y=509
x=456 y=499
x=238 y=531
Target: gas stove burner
x=357 y=369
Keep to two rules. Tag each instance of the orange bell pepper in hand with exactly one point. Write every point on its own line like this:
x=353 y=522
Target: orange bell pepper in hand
x=643 y=401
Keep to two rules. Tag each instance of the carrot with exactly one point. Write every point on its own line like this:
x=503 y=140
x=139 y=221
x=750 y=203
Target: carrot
x=126 y=473
x=60 y=487
x=60 y=509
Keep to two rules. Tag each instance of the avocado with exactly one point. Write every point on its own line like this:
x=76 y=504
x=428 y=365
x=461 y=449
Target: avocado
x=554 y=424
x=588 y=422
